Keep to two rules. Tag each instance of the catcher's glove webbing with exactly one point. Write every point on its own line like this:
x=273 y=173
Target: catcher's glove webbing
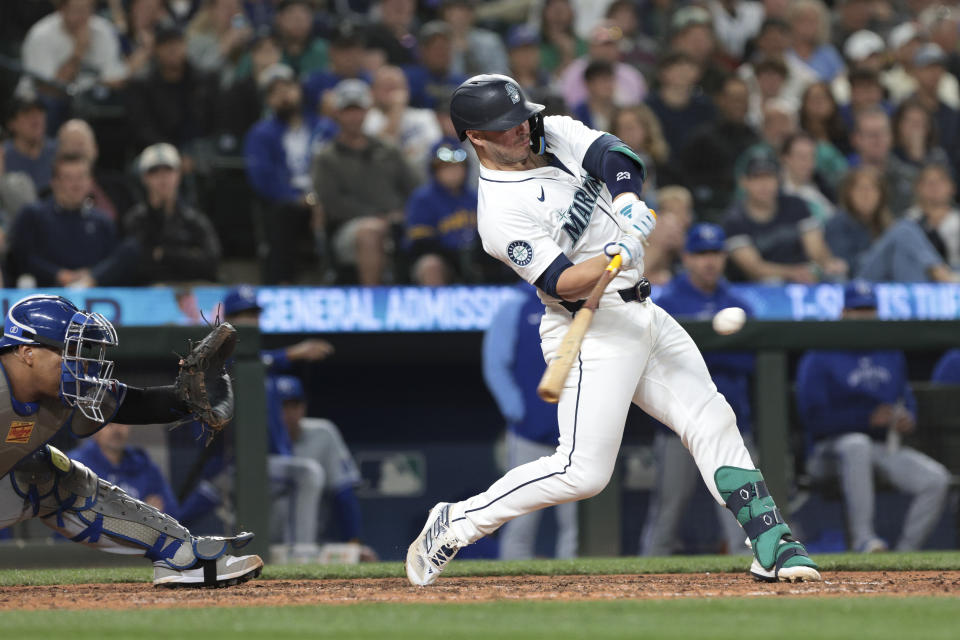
x=203 y=383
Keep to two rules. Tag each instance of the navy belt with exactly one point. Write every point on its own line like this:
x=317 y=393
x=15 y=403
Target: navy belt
x=637 y=293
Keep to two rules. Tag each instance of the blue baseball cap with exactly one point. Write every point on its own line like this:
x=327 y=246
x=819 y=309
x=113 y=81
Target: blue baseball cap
x=522 y=35
x=239 y=299
x=705 y=237
x=288 y=388
x=859 y=294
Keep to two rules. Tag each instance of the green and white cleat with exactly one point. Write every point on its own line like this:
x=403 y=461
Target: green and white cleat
x=777 y=556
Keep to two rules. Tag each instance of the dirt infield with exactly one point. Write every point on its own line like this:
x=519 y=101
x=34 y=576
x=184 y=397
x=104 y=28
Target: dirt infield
x=607 y=587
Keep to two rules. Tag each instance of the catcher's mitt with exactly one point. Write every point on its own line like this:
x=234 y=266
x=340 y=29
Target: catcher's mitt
x=203 y=383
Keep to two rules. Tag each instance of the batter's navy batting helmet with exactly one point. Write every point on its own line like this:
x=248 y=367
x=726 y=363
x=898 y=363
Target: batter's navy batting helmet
x=492 y=102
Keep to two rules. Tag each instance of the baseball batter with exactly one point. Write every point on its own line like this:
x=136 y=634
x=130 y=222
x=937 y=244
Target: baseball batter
x=55 y=376
x=556 y=201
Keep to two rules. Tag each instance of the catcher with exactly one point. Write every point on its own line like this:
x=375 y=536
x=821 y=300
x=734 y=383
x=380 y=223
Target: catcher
x=55 y=375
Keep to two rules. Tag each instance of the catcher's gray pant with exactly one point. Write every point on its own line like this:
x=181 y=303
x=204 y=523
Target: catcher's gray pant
x=854 y=457
x=519 y=536
x=297 y=484
x=633 y=352
x=677 y=478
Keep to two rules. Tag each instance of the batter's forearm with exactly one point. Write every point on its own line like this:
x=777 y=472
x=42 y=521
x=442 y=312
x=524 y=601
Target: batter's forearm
x=576 y=282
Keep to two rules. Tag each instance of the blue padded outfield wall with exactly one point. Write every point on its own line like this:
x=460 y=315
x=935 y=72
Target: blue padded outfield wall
x=422 y=309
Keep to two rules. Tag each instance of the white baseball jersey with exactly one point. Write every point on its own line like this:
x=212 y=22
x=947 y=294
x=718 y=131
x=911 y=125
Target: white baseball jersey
x=528 y=218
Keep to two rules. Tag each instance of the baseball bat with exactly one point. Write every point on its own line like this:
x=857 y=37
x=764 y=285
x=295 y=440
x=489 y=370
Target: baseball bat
x=553 y=378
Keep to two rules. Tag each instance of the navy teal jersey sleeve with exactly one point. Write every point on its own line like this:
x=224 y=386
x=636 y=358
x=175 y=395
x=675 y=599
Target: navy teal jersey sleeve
x=422 y=215
x=609 y=159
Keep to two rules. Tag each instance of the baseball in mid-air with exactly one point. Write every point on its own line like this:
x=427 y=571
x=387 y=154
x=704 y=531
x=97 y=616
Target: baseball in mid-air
x=729 y=320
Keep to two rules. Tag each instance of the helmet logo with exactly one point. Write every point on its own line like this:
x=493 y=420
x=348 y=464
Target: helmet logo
x=14 y=329
x=513 y=92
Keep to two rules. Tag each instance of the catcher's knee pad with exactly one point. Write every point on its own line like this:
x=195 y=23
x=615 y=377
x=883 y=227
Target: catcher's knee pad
x=74 y=501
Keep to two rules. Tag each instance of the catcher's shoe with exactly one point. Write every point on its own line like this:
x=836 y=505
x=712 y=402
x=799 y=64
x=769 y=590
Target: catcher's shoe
x=224 y=571
x=433 y=549
x=777 y=556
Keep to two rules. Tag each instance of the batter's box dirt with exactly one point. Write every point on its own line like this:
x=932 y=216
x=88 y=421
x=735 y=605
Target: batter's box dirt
x=606 y=587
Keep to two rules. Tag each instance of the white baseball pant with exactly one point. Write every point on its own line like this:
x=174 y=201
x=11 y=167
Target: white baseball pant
x=633 y=352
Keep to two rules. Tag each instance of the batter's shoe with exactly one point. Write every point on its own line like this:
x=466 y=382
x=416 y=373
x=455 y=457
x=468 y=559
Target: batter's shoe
x=777 y=556
x=224 y=571
x=433 y=549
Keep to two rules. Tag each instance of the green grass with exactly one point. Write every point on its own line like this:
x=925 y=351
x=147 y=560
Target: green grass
x=943 y=560
x=762 y=618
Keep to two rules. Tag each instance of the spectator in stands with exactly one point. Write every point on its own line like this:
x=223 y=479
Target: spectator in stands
x=217 y=36
x=855 y=407
x=936 y=211
x=597 y=110
x=64 y=241
x=766 y=83
x=72 y=46
x=475 y=50
x=111 y=192
x=947 y=369
x=929 y=66
x=698 y=293
x=865 y=234
x=866 y=93
x=28 y=150
x=526 y=67
x=173 y=103
x=678 y=108
x=691 y=32
x=293 y=28
x=16 y=191
x=864 y=49
x=735 y=23
x=432 y=79
x=799 y=177
x=177 y=242
x=674 y=217
x=347 y=52
x=636 y=48
x=512 y=368
x=873 y=145
x=277 y=152
x=639 y=128
x=778 y=122
x=630 y=86
x=108 y=455
x=319 y=440
x=820 y=117
x=773 y=43
x=394 y=34
x=560 y=45
x=914 y=136
x=363 y=185
x=773 y=236
x=136 y=28
x=441 y=222
x=941 y=24
x=810 y=22
x=392 y=120
x=708 y=157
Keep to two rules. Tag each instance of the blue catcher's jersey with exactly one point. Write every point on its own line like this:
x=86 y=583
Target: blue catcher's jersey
x=26 y=426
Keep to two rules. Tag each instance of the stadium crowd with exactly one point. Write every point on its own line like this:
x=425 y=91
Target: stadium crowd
x=155 y=141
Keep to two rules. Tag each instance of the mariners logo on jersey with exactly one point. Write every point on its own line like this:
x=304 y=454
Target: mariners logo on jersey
x=577 y=216
x=520 y=252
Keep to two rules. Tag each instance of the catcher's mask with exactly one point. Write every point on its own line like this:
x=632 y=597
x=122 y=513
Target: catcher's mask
x=85 y=372
x=81 y=338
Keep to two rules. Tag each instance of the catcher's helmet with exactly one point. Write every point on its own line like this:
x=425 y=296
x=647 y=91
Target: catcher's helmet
x=82 y=339
x=492 y=102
